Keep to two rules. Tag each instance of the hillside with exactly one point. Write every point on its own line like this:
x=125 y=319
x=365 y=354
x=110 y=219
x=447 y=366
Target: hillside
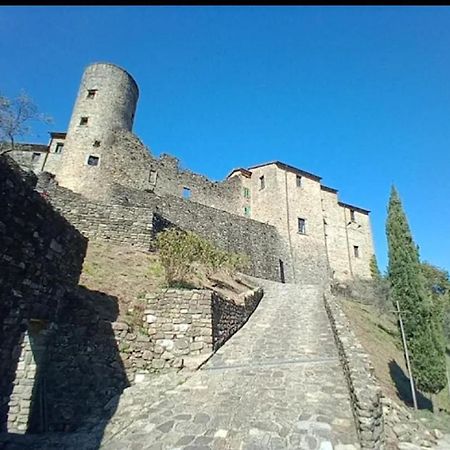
x=128 y=274
x=379 y=336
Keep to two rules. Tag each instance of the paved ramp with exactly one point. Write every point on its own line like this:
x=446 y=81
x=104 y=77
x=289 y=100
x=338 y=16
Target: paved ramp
x=276 y=384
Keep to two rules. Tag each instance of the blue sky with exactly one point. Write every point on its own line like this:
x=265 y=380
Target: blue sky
x=357 y=95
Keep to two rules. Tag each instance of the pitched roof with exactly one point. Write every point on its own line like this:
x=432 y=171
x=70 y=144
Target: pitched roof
x=289 y=168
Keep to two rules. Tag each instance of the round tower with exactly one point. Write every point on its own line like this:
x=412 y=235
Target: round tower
x=106 y=102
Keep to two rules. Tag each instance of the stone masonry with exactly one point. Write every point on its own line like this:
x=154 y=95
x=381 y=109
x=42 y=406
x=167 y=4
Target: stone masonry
x=321 y=237
x=40 y=262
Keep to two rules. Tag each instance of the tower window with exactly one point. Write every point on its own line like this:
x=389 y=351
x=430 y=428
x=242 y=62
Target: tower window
x=301 y=226
x=93 y=160
x=152 y=177
x=262 y=182
x=84 y=121
x=246 y=192
x=356 y=251
x=91 y=93
x=247 y=211
x=59 y=147
x=352 y=215
x=96 y=143
x=186 y=192
x=299 y=181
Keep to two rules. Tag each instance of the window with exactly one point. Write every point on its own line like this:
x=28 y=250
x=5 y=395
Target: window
x=97 y=143
x=93 y=160
x=84 y=121
x=59 y=147
x=352 y=215
x=35 y=156
x=262 y=182
x=186 y=192
x=152 y=177
x=246 y=192
x=91 y=93
x=299 y=181
x=356 y=251
x=247 y=211
x=301 y=226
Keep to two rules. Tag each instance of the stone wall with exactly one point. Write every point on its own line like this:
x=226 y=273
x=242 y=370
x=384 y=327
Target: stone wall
x=180 y=326
x=114 y=223
x=134 y=217
x=40 y=262
x=365 y=393
x=228 y=316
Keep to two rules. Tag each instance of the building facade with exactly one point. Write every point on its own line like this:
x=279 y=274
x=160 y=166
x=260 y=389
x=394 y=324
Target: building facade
x=323 y=236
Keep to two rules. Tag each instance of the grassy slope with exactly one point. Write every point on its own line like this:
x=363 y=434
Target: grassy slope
x=379 y=336
x=127 y=273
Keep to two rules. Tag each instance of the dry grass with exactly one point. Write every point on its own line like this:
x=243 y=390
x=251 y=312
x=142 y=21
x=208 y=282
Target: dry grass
x=121 y=271
x=128 y=274
x=379 y=336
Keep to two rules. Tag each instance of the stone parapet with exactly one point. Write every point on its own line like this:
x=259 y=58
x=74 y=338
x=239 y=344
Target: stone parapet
x=365 y=393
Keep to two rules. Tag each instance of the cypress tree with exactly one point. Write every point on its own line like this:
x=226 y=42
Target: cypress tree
x=407 y=286
x=374 y=270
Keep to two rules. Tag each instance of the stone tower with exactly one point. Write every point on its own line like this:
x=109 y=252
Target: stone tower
x=106 y=102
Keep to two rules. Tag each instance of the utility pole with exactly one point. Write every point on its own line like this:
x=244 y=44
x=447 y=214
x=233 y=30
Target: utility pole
x=408 y=365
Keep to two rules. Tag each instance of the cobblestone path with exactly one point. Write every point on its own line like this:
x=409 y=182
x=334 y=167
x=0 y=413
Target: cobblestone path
x=276 y=384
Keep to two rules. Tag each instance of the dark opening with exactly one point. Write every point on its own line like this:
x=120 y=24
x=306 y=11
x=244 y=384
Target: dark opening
x=356 y=251
x=301 y=225
x=282 y=278
x=93 y=160
x=84 y=121
x=35 y=156
x=352 y=215
x=96 y=143
x=59 y=147
x=262 y=182
x=299 y=181
x=91 y=93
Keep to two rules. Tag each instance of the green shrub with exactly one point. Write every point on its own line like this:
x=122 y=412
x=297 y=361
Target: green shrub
x=184 y=254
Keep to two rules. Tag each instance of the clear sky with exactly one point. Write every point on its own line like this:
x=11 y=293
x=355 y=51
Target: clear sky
x=357 y=95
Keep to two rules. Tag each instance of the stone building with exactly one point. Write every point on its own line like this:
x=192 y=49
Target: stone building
x=100 y=159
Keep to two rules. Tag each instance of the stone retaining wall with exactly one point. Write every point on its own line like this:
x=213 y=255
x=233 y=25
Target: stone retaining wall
x=124 y=225
x=365 y=393
x=40 y=261
x=180 y=326
x=228 y=316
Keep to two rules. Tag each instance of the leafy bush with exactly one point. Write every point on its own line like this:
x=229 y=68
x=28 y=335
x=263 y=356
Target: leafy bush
x=184 y=254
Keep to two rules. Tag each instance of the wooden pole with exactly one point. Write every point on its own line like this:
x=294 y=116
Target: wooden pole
x=408 y=365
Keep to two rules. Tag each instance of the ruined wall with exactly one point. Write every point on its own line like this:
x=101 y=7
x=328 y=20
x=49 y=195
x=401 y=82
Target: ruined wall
x=135 y=216
x=28 y=156
x=40 y=261
x=114 y=223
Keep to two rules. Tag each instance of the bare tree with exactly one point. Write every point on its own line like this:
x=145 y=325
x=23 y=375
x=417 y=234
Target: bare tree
x=15 y=117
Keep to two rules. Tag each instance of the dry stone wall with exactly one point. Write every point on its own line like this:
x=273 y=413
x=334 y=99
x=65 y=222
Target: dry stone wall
x=114 y=223
x=134 y=217
x=180 y=325
x=365 y=393
x=40 y=262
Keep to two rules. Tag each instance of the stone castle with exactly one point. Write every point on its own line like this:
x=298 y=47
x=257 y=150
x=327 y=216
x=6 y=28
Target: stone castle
x=110 y=186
